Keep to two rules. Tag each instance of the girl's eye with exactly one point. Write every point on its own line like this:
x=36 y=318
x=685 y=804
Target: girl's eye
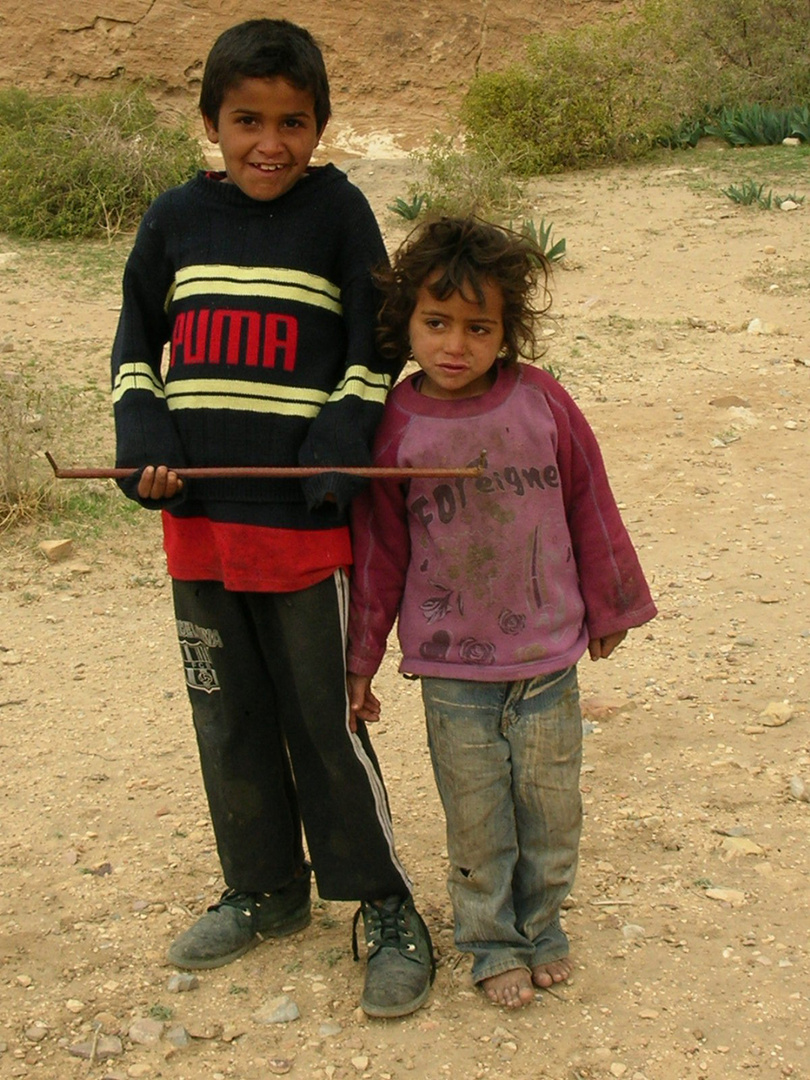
x=434 y=324
x=479 y=330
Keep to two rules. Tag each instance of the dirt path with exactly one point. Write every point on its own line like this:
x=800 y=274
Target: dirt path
x=690 y=914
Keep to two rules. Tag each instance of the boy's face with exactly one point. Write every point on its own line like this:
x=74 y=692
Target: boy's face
x=456 y=341
x=267 y=133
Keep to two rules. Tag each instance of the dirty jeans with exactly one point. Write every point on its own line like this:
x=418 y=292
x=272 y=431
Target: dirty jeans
x=506 y=757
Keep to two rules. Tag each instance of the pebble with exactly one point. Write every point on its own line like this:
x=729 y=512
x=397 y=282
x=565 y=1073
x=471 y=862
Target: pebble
x=728 y=896
x=36 y=1031
x=799 y=790
x=279 y=1066
x=278 y=1010
x=633 y=932
x=329 y=1027
x=360 y=1062
x=178 y=1036
x=776 y=713
x=182 y=982
x=145 y=1031
x=107 y=1046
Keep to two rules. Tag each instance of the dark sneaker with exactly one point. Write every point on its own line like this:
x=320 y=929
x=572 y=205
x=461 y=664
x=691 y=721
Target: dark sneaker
x=401 y=966
x=238 y=921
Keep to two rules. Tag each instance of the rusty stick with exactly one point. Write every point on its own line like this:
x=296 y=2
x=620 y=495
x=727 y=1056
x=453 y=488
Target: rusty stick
x=272 y=471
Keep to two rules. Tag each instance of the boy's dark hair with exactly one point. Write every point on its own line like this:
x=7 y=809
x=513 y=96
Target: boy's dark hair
x=265 y=49
x=465 y=253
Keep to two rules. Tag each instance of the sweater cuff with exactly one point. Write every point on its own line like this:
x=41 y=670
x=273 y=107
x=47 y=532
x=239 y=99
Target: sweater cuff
x=340 y=486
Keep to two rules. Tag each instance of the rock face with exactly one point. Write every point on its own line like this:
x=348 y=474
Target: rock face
x=398 y=68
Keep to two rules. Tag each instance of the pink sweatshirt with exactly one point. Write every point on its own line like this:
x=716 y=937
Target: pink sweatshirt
x=502 y=577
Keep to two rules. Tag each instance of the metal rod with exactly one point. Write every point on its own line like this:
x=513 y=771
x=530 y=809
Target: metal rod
x=261 y=472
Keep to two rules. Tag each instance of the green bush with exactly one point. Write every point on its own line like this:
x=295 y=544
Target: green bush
x=612 y=90
x=755 y=125
x=458 y=181
x=73 y=166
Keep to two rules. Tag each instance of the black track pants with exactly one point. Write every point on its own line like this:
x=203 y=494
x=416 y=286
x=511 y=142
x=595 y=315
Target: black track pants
x=267 y=683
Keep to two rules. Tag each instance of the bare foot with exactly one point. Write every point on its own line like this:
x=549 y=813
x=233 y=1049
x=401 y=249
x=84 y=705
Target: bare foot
x=511 y=988
x=556 y=971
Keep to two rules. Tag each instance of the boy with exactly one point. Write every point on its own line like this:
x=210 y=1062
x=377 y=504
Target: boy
x=260 y=280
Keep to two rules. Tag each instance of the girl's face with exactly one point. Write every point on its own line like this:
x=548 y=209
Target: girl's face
x=456 y=341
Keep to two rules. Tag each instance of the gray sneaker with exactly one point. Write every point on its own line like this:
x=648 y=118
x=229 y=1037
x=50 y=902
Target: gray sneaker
x=401 y=966
x=238 y=921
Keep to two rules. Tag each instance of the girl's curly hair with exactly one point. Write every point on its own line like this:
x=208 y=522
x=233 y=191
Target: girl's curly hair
x=465 y=253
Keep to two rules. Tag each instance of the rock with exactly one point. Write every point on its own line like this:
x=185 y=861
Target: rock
x=739 y=845
x=145 y=1032
x=55 y=550
x=178 y=1037
x=603 y=706
x=799 y=790
x=788 y=204
x=279 y=1066
x=360 y=1062
x=633 y=932
x=769 y=249
x=776 y=713
x=729 y=401
x=727 y=896
x=329 y=1027
x=107 y=1046
x=759 y=326
x=181 y=982
x=36 y=1031
x=791 y=140
x=278 y=1010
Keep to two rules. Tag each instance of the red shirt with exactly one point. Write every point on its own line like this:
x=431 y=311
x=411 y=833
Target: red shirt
x=252 y=558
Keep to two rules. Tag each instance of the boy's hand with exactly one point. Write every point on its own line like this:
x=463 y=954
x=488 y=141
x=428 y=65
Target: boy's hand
x=362 y=702
x=159 y=483
x=600 y=648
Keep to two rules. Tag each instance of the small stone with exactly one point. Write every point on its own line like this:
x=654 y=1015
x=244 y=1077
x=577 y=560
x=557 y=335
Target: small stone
x=145 y=1031
x=799 y=790
x=279 y=1066
x=776 y=713
x=181 y=982
x=788 y=204
x=55 y=550
x=360 y=1062
x=36 y=1031
x=727 y=896
x=648 y=1014
x=618 y=1069
x=769 y=249
x=739 y=845
x=278 y=1010
x=107 y=1046
x=178 y=1037
x=633 y=932
x=329 y=1028
x=74 y=1005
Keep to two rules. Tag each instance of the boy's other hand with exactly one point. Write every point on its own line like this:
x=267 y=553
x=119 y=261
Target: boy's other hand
x=600 y=648
x=159 y=483
x=363 y=704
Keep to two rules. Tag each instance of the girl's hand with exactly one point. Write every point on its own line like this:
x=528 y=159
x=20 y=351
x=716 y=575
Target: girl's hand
x=363 y=704
x=159 y=483
x=601 y=648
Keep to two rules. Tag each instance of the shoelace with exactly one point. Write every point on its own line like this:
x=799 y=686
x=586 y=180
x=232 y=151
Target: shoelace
x=388 y=930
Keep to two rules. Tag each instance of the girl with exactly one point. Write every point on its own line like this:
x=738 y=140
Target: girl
x=500 y=585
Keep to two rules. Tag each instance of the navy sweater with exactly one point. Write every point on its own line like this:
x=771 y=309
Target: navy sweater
x=269 y=311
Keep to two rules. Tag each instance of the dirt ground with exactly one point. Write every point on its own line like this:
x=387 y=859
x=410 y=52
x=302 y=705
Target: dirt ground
x=681 y=325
